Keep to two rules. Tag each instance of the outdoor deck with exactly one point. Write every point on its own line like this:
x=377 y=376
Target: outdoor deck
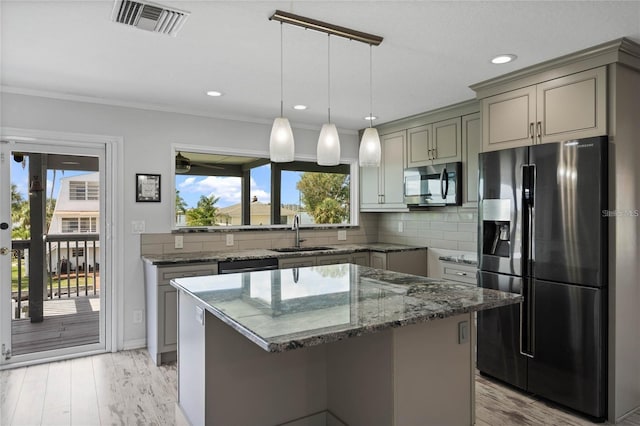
x=67 y=322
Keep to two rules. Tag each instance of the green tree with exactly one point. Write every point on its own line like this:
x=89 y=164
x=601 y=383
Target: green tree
x=181 y=204
x=19 y=215
x=205 y=213
x=325 y=196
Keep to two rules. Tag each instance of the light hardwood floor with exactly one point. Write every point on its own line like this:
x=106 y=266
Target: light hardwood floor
x=126 y=388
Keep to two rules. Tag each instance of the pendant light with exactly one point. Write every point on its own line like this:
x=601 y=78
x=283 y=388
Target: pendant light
x=281 y=144
x=328 y=151
x=370 y=150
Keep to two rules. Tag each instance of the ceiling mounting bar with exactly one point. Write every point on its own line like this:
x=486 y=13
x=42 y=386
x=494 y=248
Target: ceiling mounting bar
x=313 y=24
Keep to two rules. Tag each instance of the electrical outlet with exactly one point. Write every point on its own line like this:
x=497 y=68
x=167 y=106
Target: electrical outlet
x=229 y=239
x=179 y=242
x=137 y=317
x=342 y=235
x=463 y=332
x=401 y=226
x=137 y=226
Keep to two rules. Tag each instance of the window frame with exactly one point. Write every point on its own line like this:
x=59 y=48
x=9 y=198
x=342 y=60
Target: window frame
x=349 y=164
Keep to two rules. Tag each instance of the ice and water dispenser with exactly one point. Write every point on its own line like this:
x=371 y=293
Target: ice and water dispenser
x=496 y=227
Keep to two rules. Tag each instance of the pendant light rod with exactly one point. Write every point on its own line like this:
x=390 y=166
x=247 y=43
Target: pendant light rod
x=370 y=86
x=325 y=27
x=329 y=77
x=281 y=73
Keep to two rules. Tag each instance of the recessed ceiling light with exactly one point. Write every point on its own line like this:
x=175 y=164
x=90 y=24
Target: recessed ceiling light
x=503 y=59
x=371 y=117
x=214 y=93
x=300 y=107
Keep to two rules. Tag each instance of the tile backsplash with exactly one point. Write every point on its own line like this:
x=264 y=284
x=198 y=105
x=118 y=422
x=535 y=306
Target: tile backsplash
x=164 y=243
x=453 y=228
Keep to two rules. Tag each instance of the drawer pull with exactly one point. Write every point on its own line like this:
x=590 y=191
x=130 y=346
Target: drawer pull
x=463 y=274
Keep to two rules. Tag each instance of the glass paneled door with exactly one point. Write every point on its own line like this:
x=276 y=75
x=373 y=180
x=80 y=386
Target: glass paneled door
x=53 y=287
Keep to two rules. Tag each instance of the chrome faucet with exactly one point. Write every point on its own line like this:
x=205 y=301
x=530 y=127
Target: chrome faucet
x=296 y=227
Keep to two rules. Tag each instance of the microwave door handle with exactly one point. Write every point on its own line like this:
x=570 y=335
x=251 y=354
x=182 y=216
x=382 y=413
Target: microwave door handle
x=443 y=191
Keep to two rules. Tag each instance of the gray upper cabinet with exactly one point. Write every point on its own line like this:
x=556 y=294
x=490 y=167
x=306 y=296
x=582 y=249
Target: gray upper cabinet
x=434 y=143
x=381 y=188
x=471 y=145
x=563 y=108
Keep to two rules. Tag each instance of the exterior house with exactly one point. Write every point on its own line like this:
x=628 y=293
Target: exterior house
x=260 y=214
x=76 y=212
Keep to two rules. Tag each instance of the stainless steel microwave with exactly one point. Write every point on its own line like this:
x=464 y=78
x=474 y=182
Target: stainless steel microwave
x=438 y=185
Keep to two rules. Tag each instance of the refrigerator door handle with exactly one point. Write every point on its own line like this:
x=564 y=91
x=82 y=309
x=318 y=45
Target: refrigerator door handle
x=525 y=320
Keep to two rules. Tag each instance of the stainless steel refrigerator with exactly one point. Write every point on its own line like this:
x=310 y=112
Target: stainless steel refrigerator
x=543 y=234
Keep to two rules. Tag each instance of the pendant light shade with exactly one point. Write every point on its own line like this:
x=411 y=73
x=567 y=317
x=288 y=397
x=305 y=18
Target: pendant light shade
x=370 y=151
x=281 y=144
x=328 y=151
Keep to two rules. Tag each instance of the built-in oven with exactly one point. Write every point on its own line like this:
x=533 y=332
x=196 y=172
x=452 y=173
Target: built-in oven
x=437 y=185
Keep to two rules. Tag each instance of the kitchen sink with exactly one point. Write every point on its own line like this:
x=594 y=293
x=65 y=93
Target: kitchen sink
x=297 y=249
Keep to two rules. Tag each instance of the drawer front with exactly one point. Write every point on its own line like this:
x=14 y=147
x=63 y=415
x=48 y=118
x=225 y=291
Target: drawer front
x=167 y=274
x=465 y=275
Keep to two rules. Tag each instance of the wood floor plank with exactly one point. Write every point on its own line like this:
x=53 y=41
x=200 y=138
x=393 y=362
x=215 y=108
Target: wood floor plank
x=84 y=399
x=29 y=406
x=57 y=398
x=11 y=382
x=110 y=395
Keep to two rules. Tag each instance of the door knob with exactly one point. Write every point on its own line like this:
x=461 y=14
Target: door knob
x=4 y=251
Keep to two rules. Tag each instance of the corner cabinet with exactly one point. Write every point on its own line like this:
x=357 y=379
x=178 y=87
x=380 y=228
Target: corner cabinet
x=570 y=107
x=381 y=188
x=434 y=143
x=408 y=261
x=161 y=305
x=471 y=146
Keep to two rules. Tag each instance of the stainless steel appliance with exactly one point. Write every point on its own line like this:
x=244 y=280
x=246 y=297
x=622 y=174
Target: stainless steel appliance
x=543 y=234
x=438 y=185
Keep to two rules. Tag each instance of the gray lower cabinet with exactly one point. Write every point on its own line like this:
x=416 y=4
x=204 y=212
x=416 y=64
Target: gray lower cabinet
x=161 y=305
x=359 y=258
x=297 y=262
x=408 y=262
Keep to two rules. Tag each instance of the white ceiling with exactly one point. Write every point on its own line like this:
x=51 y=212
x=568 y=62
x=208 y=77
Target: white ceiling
x=431 y=53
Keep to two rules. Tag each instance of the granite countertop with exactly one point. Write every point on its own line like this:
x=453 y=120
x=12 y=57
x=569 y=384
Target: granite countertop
x=286 y=309
x=225 y=255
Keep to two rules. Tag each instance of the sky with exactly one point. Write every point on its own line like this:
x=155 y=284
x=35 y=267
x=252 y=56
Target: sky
x=228 y=188
x=20 y=177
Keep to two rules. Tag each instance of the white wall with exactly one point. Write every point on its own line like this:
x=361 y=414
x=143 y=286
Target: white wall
x=148 y=136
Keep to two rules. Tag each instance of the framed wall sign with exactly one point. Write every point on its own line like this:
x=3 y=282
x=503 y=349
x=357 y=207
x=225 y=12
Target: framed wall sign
x=147 y=188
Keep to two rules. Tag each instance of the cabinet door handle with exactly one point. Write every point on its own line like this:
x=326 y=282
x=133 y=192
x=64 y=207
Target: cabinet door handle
x=539 y=129
x=435 y=153
x=462 y=274
x=531 y=132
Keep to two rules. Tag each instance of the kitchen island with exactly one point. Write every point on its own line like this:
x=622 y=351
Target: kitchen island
x=336 y=344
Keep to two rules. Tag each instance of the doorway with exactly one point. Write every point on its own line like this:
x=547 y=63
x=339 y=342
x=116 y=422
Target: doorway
x=55 y=286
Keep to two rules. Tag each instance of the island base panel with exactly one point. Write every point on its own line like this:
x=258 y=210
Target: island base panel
x=414 y=375
x=246 y=385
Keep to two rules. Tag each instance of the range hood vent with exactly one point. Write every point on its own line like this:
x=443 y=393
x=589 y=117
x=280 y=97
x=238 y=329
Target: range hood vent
x=149 y=16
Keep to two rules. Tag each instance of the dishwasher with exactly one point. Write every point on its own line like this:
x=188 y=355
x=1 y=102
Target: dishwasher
x=247 y=265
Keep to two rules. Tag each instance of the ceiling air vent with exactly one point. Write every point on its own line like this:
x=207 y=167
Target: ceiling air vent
x=149 y=16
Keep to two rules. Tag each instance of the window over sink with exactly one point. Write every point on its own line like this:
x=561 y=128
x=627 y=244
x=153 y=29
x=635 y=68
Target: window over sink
x=219 y=190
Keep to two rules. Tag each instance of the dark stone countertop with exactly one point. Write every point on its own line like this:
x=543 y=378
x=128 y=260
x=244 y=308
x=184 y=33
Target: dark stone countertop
x=286 y=309
x=225 y=255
